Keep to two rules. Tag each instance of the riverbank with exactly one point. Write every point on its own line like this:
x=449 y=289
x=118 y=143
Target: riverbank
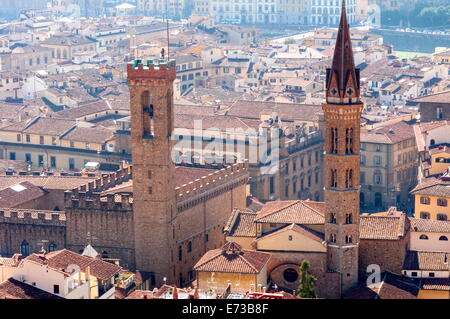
x=409 y=54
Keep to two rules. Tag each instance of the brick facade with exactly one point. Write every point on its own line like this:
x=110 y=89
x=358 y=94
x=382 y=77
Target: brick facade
x=429 y=112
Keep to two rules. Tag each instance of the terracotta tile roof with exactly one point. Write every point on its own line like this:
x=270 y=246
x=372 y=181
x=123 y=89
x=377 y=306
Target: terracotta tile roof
x=98 y=135
x=14 y=289
x=292 y=211
x=286 y=111
x=305 y=231
x=42 y=125
x=61 y=259
x=390 y=134
x=241 y=224
x=382 y=227
x=77 y=112
x=435 y=284
x=425 y=127
x=432 y=186
x=103 y=270
x=46 y=182
x=441 y=97
x=440 y=149
x=429 y=225
x=392 y=286
x=231 y=258
x=141 y=294
x=425 y=260
x=19 y=194
x=10 y=262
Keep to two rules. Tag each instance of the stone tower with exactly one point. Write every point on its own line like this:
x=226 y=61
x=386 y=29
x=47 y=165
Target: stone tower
x=154 y=205
x=342 y=112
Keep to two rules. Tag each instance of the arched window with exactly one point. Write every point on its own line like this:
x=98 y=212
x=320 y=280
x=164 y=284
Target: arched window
x=105 y=254
x=52 y=247
x=189 y=249
x=432 y=142
x=25 y=248
x=348 y=218
x=378 y=200
x=334 y=140
x=332 y=238
x=333 y=178
x=348 y=239
x=424 y=237
x=333 y=218
x=444 y=238
x=349 y=178
x=180 y=253
x=147 y=114
x=349 y=141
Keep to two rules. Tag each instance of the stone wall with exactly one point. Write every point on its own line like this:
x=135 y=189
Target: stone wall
x=428 y=111
x=388 y=254
x=18 y=226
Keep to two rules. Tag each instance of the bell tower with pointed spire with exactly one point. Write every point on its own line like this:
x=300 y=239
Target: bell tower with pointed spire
x=342 y=112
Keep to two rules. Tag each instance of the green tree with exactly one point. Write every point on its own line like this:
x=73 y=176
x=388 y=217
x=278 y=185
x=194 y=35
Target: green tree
x=307 y=288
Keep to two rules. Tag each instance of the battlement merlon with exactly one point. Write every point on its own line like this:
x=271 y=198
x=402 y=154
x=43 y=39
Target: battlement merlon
x=27 y=216
x=220 y=177
x=151 y=70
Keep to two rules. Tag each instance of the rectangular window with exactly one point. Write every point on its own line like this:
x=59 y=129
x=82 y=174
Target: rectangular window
x=27 y=138
x=424 y=215
x=28 y=157
x=41 y=140
x=377 y=160
x=52 y=161
x=56 y=289
x=19 y=137
x=378 y=148
x=12 y=156
x=425 y=200
x=362 y=177
x=272 y=185
x=41 y=160
x=53 y=140
x=414 y=274
x=442 y=202
x=71 y=163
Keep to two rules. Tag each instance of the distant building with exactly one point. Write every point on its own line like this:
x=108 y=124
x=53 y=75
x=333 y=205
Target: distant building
x=434 y=107
x=388 y=166
x=11 y=9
